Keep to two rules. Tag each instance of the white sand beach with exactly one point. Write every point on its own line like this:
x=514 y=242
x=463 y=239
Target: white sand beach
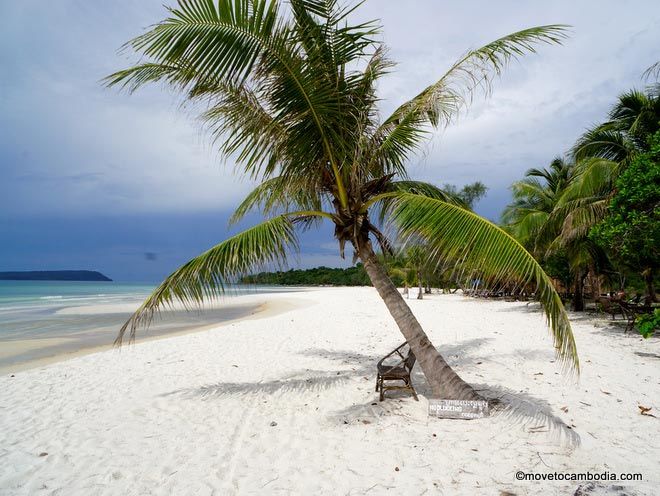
x=284 y=403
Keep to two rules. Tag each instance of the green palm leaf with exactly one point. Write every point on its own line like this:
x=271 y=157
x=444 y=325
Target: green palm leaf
x=652 y=72
x=440 y=103
x=135 y=77
x=278 y=193
x=452 y=232
x=243 y=128
x=206 y=276
x=527 y=227
x=593 y=177
x=386 y=202
x=604 y=143
x=241 y=42
x=575 y=219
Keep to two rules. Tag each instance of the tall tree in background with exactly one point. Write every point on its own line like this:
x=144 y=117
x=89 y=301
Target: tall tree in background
x=533 y=220
x=632 y=119
x=631 y=229
x=469 y=194
x=417 y=259
x=534 y=199
x=552 y=220
x=290 y=93
x=602 y=153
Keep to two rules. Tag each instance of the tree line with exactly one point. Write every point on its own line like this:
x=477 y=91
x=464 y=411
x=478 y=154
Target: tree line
x=592 y=217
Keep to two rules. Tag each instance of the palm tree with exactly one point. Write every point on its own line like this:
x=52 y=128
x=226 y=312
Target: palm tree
x=417 y=259
x=632 y=119
x=602 y=154
x=534 y=199
x=546 y=224
x=290 y=94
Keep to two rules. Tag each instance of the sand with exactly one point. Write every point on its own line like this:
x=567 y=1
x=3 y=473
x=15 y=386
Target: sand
x=285 y=404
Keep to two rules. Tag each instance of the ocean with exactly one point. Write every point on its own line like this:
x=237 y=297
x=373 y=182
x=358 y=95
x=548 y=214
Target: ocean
x=40 y=320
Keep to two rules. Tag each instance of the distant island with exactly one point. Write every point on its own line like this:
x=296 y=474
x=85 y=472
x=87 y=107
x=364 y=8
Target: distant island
x=54 y=275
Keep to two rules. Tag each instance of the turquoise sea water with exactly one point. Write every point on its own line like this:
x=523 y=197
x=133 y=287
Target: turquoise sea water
x=42 y=319
x=29 y=309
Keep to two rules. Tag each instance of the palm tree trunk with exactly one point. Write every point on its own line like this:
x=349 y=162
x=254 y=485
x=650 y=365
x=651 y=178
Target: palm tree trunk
x=444 y=382
x=650 y=285
x=420 y=294
x=578 y=295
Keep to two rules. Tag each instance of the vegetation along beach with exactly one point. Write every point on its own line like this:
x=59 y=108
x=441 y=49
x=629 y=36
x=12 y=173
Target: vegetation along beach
x=401 y=282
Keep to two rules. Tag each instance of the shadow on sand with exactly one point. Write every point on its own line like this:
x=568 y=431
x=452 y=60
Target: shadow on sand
x=515 y=408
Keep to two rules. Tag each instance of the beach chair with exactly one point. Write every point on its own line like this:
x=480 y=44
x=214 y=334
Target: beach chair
x=397 y=371
x=632 y=311
x=610 y=305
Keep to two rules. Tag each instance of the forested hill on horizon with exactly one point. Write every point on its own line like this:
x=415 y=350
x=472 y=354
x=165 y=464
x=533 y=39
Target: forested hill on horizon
x=54 y=275
x=319 y=276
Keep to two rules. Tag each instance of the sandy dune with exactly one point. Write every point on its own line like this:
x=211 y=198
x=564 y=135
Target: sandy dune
x=285 y=404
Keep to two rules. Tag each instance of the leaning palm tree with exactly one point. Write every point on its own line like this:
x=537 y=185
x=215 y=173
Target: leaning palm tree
x=290 y=94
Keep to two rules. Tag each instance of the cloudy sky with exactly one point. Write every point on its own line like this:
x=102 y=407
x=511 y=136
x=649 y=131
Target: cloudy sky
x=94 y=179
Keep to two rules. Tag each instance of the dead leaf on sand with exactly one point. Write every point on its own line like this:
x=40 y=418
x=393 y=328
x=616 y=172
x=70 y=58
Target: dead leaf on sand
x=644 y=410
x=538 y=428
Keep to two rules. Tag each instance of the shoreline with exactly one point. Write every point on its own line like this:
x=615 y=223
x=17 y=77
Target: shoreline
x=57 y=350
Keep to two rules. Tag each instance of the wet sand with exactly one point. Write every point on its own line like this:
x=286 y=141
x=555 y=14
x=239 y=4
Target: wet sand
x=18 y=354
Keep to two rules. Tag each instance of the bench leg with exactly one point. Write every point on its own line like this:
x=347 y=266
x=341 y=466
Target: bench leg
x=412 y=389
x=377 y=379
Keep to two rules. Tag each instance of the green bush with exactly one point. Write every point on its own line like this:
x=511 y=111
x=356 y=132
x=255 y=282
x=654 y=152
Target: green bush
x=648 y=323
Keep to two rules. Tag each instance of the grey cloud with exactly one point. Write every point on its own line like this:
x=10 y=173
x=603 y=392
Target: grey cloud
x=144 y=153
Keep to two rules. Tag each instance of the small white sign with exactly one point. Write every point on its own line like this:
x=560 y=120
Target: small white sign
x=458 y=409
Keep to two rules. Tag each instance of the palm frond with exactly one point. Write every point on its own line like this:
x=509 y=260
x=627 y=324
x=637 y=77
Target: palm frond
x=634 y=116
x=652 y=72
x=233 y=43
x=426 y=189
x=277 y=193
x=135 y=77
x=602 y=142
x=592 y=177
x=207 y=275
x=315 y=19
x=386 y=201
x=457 y=234
x=440 y=103
x=527 y=226
x=245 y=129
x=576 y=218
